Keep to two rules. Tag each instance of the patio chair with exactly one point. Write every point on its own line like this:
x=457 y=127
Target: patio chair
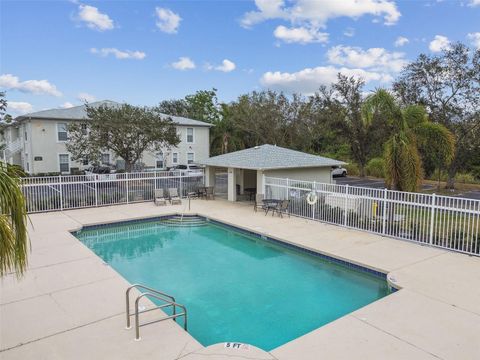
x=174 y=198
x=209 y=193
x=259 y=204
x=201 y=191
x=282 y=208
x=159 y=197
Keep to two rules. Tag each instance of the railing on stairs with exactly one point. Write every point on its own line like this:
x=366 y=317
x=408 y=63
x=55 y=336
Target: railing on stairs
x=168 y=301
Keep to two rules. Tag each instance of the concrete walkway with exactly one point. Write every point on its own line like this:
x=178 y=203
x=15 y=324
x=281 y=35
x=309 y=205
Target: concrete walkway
x=70 y=305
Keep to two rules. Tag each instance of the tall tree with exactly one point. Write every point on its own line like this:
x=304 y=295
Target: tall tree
x=262 y=118
x=448 y=85
x=364 y=133
x=203 y=106
x=411 y=130
x=128 y=131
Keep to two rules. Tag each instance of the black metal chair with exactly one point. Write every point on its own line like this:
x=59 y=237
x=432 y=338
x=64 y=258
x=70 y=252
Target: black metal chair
x=282 y=208
x=259 y=204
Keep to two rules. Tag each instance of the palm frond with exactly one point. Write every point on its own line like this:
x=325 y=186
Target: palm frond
x=13 y=224
x=415 y=115
x=437 y=142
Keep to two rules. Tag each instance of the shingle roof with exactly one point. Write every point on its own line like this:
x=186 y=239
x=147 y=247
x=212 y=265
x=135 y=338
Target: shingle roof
x=268 y=157
x=80 y=113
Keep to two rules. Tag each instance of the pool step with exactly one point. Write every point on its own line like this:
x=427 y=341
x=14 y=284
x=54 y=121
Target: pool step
x=186 y=221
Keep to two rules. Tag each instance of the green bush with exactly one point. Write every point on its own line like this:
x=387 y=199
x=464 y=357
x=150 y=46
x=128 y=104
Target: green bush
x=465 y=178
x=352 y=169
x=376 y=168
x=475 y=170
x=442 y=173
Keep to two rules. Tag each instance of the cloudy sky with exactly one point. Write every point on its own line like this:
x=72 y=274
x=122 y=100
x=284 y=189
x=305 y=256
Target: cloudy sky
x=61 y=53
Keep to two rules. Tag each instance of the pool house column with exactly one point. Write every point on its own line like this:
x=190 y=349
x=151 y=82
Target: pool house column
x=232 y=184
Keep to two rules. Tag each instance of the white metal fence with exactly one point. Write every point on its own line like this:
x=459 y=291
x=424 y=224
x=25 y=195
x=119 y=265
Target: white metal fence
x=443 y=221
x=52 y=193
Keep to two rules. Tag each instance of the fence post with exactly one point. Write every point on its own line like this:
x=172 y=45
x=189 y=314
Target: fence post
x=126 y=185
x=288 y=189
x=313 y=205
x=384 y=216
x=432 y=219
x=181 y=184
x=61 y=191
x=345 y=212
x=96 y=190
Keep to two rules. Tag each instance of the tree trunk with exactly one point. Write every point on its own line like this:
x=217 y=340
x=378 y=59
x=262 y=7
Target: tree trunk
x=361 y=169
x=452 y=171
x=128 y=166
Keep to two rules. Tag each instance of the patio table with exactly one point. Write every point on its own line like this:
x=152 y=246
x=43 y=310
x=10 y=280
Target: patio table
x=270 y=204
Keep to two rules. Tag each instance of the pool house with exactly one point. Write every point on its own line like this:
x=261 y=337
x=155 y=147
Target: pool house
x=248 y=168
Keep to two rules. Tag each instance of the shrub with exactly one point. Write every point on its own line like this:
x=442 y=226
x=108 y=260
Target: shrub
x=475 y=170
x=439 y=173
x=352 y=169
x=376 y=168
x=465 y=178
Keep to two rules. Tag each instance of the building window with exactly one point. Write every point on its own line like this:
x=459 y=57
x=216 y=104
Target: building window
x=26 y=137
x=84 y=129
x=159 y=161
x=190 y=158
x=62 y=132
x=64 y=161
x=85 y=161
x=174 y=158
x=105 y=159
x=189 y=135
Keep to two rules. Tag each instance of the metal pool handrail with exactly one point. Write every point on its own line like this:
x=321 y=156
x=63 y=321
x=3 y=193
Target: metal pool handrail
x=168 y=299
x=174 y=316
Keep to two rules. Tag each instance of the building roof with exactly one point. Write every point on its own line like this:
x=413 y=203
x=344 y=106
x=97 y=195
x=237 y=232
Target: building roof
x=269 y=157
x=80 y=113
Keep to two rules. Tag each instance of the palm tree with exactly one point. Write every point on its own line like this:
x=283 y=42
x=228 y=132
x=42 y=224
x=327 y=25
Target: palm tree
x=413 y=135
x=13 y=223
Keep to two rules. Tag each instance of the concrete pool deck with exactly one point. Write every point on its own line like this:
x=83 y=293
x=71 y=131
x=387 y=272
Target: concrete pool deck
x=70 y=304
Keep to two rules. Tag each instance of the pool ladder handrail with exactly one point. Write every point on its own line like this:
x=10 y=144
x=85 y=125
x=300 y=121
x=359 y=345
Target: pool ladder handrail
x=168 y=299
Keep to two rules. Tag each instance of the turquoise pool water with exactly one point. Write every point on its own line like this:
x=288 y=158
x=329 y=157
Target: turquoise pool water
x=236 y=286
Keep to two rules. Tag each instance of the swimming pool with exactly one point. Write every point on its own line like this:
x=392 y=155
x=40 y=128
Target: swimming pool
x=237 y=286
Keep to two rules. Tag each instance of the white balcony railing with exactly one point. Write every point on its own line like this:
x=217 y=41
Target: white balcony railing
x=14 y=147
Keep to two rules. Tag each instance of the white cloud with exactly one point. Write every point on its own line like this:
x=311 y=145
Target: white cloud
x=10 y=81
x=226 y=66
x=67 y=105
x=119 y=54
x=439 y=43
x=349 y=32
x=308 y=80
x=19 y=107
x=318 y=13
x=94 y=19
x=473 y=3
x=183 y=63
x=401 y=41
x=300 y=35
x=86 y=97
x=376 y=59
x=167 y=20
x=475 y=39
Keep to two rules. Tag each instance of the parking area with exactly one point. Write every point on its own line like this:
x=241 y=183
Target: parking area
x=380 y=184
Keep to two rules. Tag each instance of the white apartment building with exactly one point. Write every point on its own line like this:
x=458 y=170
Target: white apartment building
x=36 y=142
